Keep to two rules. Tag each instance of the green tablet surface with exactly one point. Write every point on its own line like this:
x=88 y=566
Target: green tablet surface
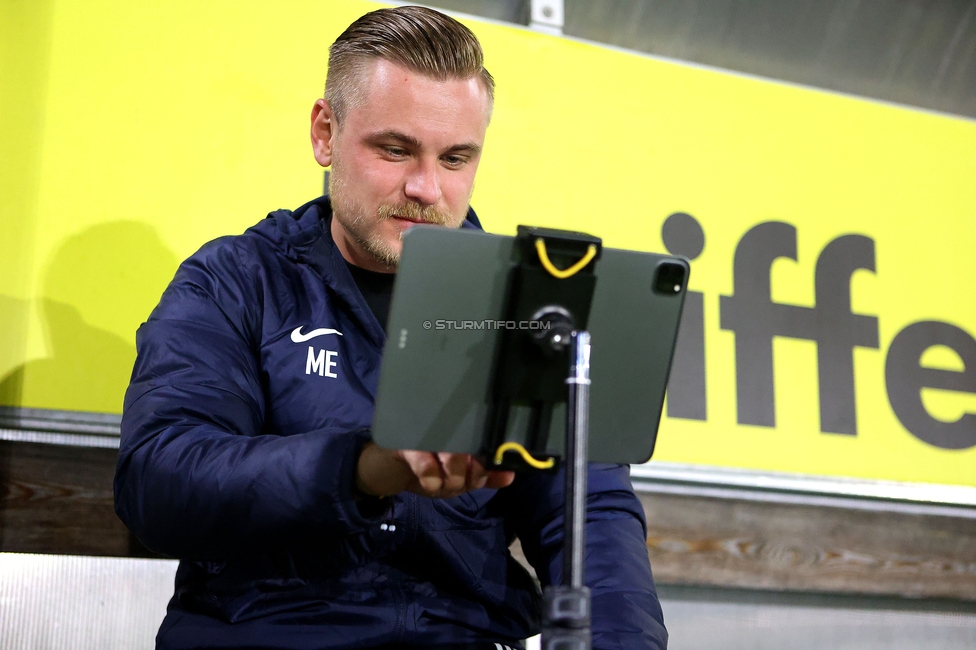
x=444 y=324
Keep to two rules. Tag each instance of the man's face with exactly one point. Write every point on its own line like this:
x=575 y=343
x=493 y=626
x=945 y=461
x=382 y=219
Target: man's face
x=405 y=153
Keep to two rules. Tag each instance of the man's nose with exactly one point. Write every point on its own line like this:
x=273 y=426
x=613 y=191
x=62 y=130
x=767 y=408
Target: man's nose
x=423 y=184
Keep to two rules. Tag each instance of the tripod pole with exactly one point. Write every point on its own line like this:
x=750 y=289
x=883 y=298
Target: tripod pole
x=577 y=433
x=566 y=608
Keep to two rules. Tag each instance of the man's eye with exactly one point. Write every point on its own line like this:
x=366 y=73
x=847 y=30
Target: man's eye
x=455 y=161
x=396 y=152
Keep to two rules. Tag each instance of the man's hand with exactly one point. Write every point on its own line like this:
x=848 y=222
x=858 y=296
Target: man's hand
x=385 y=472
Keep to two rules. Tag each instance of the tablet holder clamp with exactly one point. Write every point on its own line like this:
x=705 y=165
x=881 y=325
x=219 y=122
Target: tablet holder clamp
x=543 y=360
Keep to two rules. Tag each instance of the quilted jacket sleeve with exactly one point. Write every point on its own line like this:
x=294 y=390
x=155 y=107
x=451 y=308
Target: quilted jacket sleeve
x=197 y=476
x=626 y=614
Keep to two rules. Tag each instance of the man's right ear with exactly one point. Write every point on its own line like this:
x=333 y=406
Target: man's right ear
x=323 y=130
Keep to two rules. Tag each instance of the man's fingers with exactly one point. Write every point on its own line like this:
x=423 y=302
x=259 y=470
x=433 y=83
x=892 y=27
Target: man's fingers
x=498 y=479
x=427 y=469
x=455 y=469
x=477 y=476
x=438 y=475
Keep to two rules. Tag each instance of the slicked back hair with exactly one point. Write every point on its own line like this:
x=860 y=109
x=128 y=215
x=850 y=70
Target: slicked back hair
x=416 y=38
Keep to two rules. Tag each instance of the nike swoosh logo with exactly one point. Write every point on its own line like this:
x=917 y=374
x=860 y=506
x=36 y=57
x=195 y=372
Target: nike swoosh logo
x=298 y=337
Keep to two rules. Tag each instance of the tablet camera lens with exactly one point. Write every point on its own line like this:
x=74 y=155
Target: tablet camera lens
x=669 y=279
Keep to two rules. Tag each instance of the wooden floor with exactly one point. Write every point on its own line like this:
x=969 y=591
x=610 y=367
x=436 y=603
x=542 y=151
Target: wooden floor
x=58 y=499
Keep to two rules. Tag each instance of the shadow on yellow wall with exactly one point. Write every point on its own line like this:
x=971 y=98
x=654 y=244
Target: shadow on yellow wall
x=111 y=273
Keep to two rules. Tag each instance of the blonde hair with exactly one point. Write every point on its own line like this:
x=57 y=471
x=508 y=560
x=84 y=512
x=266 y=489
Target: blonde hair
x=417 y=38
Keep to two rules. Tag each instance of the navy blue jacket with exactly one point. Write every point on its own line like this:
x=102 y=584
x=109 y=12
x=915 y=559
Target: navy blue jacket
x=238 y=457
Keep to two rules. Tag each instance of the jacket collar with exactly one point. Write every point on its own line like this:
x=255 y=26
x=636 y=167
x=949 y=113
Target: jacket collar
x=306 y=237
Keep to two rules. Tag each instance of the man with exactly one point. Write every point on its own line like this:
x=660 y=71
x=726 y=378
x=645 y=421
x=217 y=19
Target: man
x=245 y=438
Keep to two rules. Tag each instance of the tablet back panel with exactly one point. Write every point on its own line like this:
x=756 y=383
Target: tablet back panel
x=442 y=332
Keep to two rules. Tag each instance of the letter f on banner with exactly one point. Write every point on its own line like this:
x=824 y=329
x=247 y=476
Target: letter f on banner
x=838 y=330
x=756 y=319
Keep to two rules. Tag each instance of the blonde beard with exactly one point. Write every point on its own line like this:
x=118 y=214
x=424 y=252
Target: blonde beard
x=361 y=223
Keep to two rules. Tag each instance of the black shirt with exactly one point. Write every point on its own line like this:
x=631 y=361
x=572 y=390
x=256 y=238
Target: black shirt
x=377 y=289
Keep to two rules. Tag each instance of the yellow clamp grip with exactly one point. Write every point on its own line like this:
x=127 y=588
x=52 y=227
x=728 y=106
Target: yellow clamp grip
x=540 y=247
x=526 y=456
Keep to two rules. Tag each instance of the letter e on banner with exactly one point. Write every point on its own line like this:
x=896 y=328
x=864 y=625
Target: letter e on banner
x=906 y=377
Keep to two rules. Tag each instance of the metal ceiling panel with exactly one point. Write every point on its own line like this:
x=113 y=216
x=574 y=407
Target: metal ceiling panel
x=916 y=52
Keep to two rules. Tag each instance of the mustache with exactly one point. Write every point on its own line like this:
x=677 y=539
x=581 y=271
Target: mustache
x=415 y=212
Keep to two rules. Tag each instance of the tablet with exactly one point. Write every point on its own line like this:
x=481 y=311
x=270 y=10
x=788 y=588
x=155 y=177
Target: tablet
x=436 y=377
